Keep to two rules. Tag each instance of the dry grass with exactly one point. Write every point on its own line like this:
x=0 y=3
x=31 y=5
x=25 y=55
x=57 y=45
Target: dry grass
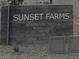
x=33 y=51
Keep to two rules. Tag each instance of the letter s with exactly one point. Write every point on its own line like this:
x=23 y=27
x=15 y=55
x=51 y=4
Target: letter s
x=15 y=17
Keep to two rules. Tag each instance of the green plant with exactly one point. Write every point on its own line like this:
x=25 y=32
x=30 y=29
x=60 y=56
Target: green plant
x=20 y=2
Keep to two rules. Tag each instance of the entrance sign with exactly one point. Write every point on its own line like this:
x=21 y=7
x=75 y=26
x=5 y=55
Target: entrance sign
x=38 y=23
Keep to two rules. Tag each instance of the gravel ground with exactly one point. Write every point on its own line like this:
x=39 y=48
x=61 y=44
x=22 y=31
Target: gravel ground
x=34 y=51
